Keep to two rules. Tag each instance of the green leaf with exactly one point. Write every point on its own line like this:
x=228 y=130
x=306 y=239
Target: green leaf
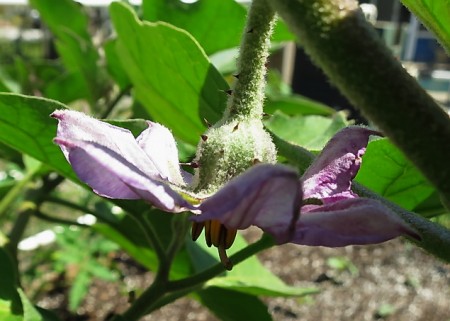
x=140 y=252
x=128 y=234
x=435 y=15
x=10 y=303
x=79 y=289
x=311 y=132
x=431 y=206
x=230 y=305
x=296 y=105
x=30 y=313
x=66 y=87
x=26 y=126
x=69 y=23
x=171 y=74
x=216 y=24
x=114 y=64
x=386 y=171
x=249 y=277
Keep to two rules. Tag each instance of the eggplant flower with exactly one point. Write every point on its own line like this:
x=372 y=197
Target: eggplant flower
x=116 y=165
x=320 y=209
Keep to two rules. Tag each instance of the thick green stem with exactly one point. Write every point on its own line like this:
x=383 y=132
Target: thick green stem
x=264 y=243
x=338 y=39
x=248 y=94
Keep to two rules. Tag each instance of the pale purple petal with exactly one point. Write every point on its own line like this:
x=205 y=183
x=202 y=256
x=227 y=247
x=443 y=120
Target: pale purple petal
x=330 y=175
x=159 y=145
x=111 y=175
x=76 y=126
x=267 y=196
x=352 y=221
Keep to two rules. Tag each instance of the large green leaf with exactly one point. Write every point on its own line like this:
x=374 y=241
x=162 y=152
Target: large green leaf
x=171 y=74
x=216 y=24
x=25 y=125
x=69 y=23
x=249 y=277
x=386 y=171
x=230 y=305
x=435 y=15
x=311 y=132
x=296 y=105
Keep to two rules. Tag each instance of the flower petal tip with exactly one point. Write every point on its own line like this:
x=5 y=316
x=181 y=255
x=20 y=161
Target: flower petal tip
x=57 y=114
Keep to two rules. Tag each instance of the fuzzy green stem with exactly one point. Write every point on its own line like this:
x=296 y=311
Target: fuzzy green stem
x=248 y=94
x=338 y=39
x=435 y=238
x=264 y=243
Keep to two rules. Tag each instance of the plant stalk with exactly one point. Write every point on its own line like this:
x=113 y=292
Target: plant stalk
x=339 y=40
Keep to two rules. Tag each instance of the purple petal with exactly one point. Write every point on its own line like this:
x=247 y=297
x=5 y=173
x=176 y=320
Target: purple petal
x=267 y=196
x=352 y=221
x=111 y=175
x=76 y=126
x=330 y=175
x=159 y=145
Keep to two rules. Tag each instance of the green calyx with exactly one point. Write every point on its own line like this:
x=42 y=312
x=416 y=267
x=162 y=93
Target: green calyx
x=229 y=150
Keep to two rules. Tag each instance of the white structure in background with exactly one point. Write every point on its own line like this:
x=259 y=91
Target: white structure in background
x=48 y=236
x=370 y=11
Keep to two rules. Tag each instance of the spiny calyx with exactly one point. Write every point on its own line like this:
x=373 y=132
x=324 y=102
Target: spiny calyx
x=229 y=150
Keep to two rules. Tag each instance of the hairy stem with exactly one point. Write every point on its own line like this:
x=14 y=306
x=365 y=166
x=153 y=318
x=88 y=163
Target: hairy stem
x=339 y=40
x=248 y=94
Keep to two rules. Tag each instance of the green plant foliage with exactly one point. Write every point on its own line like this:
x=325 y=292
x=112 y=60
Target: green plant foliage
x=69 y=23
x=78 y=250
x=27 y=127
x=114 y=64
x=311 y=132
x=386 y=171
x=178 y=90
x=280 y=97
x=230 y=305
x=216 y=24
x=249 y=277
x=10 y=303
x=435 y=15
x=342 y=263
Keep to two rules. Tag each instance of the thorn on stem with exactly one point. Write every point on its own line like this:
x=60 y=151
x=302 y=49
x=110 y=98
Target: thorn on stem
x=204 y=137
x=207 y=123
x=236 y=127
